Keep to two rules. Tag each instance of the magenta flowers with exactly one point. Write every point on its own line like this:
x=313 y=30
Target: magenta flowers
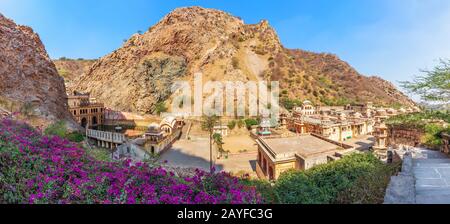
x=40 y=169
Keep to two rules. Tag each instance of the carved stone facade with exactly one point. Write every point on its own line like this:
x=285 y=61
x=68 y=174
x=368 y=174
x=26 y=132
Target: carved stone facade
x=85 y=110
x=404 y=136
x=446 y=143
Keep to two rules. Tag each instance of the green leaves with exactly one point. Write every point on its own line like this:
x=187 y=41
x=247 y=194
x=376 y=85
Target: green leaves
x=434 y=85
x=323 y=184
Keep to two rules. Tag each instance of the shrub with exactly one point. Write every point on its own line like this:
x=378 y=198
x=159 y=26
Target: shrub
x=235 y=62
x=323 y=184
x=296 y=188
x=160 y=108
x=370 y=188
x=240 y=123
x=75 y=137
x=27 y=109
x=250 y=122
x=231 y=125
x=38 y=169
x=57 y=129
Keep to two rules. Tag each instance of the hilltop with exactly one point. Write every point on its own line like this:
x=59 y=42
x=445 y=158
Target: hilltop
x=138 y=75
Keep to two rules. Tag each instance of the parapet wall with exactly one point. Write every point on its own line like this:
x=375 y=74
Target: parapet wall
x=401 y=189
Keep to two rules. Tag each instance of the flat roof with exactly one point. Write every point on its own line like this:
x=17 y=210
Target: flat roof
x=303 y=145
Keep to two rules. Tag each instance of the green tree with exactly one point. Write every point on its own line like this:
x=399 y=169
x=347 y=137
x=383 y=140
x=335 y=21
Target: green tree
x=434 y=85
x=231 y=125
x=160 y=108
x=208 y=124
x=218 y=140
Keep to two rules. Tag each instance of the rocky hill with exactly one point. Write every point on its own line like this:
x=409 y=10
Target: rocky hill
x=71 y=69
x=139 y=74
x=29 y=81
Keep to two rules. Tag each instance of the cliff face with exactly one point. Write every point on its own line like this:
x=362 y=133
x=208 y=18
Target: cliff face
x=28 y=76
x=71 y=69
x=222 y=47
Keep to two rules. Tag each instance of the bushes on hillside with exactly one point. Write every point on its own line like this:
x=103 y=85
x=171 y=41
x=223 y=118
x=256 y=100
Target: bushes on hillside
x=59 y=129
x=325 y=183
x=250 y=122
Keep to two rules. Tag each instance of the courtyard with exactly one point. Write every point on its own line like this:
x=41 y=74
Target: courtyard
x=195 y=153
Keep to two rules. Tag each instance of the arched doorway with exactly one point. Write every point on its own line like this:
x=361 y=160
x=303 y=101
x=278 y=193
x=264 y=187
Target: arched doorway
x=84 y=122
x=94 y=121
x=153 y=150
x=271 y=176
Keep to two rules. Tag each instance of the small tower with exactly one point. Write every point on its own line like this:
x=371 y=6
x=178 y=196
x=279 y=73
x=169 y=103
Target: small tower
x=381 y=136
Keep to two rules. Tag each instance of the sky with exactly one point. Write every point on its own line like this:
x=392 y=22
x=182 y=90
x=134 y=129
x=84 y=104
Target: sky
x=392 y=39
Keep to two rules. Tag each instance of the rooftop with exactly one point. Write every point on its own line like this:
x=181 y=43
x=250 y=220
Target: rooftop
x=304 y=145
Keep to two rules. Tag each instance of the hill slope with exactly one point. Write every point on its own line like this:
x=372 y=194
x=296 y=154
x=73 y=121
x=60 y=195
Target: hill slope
x=71 y=69
x=28 y=76
x=139 y=74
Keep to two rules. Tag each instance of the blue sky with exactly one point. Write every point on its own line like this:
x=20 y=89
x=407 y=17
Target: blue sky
x=389 y=38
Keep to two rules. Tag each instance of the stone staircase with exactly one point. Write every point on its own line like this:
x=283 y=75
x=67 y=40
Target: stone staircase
x=425 y=179
x=432 y=177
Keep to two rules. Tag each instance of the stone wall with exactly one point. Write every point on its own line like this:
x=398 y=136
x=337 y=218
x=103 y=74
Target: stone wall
x=445 y=143
x=405 y=136
x=401 y=189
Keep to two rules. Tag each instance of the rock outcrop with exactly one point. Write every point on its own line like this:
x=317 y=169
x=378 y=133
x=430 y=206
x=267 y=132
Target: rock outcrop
x=223 y=48
x=28 y=77
x=70 y=69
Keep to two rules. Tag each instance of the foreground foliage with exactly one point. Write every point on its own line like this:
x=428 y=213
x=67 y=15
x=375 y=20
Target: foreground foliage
x=36 y=168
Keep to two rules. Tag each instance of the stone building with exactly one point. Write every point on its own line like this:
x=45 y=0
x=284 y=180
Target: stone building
x=339 y=127
x=381 y=140
x=277 y=155
x=306 y=109
x=160 y=137
x=85 y=110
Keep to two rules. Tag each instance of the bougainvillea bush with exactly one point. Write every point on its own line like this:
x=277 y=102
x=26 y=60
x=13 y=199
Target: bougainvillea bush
x=39 y=169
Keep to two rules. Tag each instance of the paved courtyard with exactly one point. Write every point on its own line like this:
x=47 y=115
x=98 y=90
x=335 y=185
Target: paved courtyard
x=195 y=153
x=362 y=143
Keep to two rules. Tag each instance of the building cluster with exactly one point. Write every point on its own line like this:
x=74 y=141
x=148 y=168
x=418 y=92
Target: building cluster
x=159 y=137
x=320 y=136
x=339 y=123
x=85 y=110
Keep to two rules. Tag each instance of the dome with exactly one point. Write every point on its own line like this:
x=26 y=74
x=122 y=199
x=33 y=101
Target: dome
x=153 y=128
x=307 y=102
x=357 y=115
x=169 y=121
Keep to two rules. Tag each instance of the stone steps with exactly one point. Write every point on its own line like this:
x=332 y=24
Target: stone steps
x=433 y=191
x=432 y=161
x=433 y=199
x=432 y=178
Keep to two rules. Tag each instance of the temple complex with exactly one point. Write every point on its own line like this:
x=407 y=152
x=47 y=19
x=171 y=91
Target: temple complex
x=159 y=137
x=338 y=123
x=85 y=110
